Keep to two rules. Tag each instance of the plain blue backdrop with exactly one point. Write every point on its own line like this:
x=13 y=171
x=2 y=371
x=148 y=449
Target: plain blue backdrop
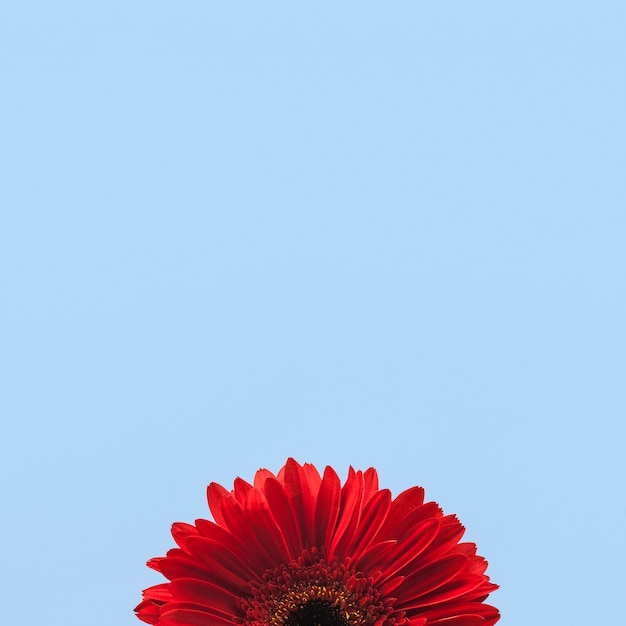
x=388 y=234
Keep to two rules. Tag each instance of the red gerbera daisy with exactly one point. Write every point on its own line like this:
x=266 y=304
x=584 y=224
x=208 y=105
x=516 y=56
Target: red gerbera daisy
x=300 y=549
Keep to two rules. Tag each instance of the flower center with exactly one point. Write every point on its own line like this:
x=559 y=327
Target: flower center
x=311 y=592
x=316 y=613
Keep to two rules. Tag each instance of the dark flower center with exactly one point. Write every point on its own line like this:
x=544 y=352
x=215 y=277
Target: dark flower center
x=312 y=592
x=316 y=613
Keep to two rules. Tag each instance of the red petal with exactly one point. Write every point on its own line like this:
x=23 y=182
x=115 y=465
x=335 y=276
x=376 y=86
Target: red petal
x=391 y=585
x=467 y=548
x=239 y=524
x=429 y=578
x=205 y=593
x=284 y=515
x=250 y=555
x=267 y=530
x=375 y=555
x=302 y=485
x=370 y=479
x=261 y=476
x=148 y=611
x=179 y=567
x=403 y=505
x=453 y=590
x=460 y=620
x=349 y=514
x=175 y=567
x=448 y=540
x=374 y=515
x=327 y=507
x=219 y=558
x=196 y=618
x=161 y=592
x=480 y=593
x=180 y=532
x=215 y=494
x=241 y=489
x=461 y=608
x=201 y=607
x=414 y=545
x=403 y=552
x=430 y=510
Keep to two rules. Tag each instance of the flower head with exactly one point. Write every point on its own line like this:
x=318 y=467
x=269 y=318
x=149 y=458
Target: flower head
x=300 y=549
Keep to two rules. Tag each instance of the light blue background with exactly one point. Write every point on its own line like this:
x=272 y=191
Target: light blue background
x=386 y=234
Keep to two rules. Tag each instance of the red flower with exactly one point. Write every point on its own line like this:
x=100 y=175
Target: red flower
x=298 y=549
